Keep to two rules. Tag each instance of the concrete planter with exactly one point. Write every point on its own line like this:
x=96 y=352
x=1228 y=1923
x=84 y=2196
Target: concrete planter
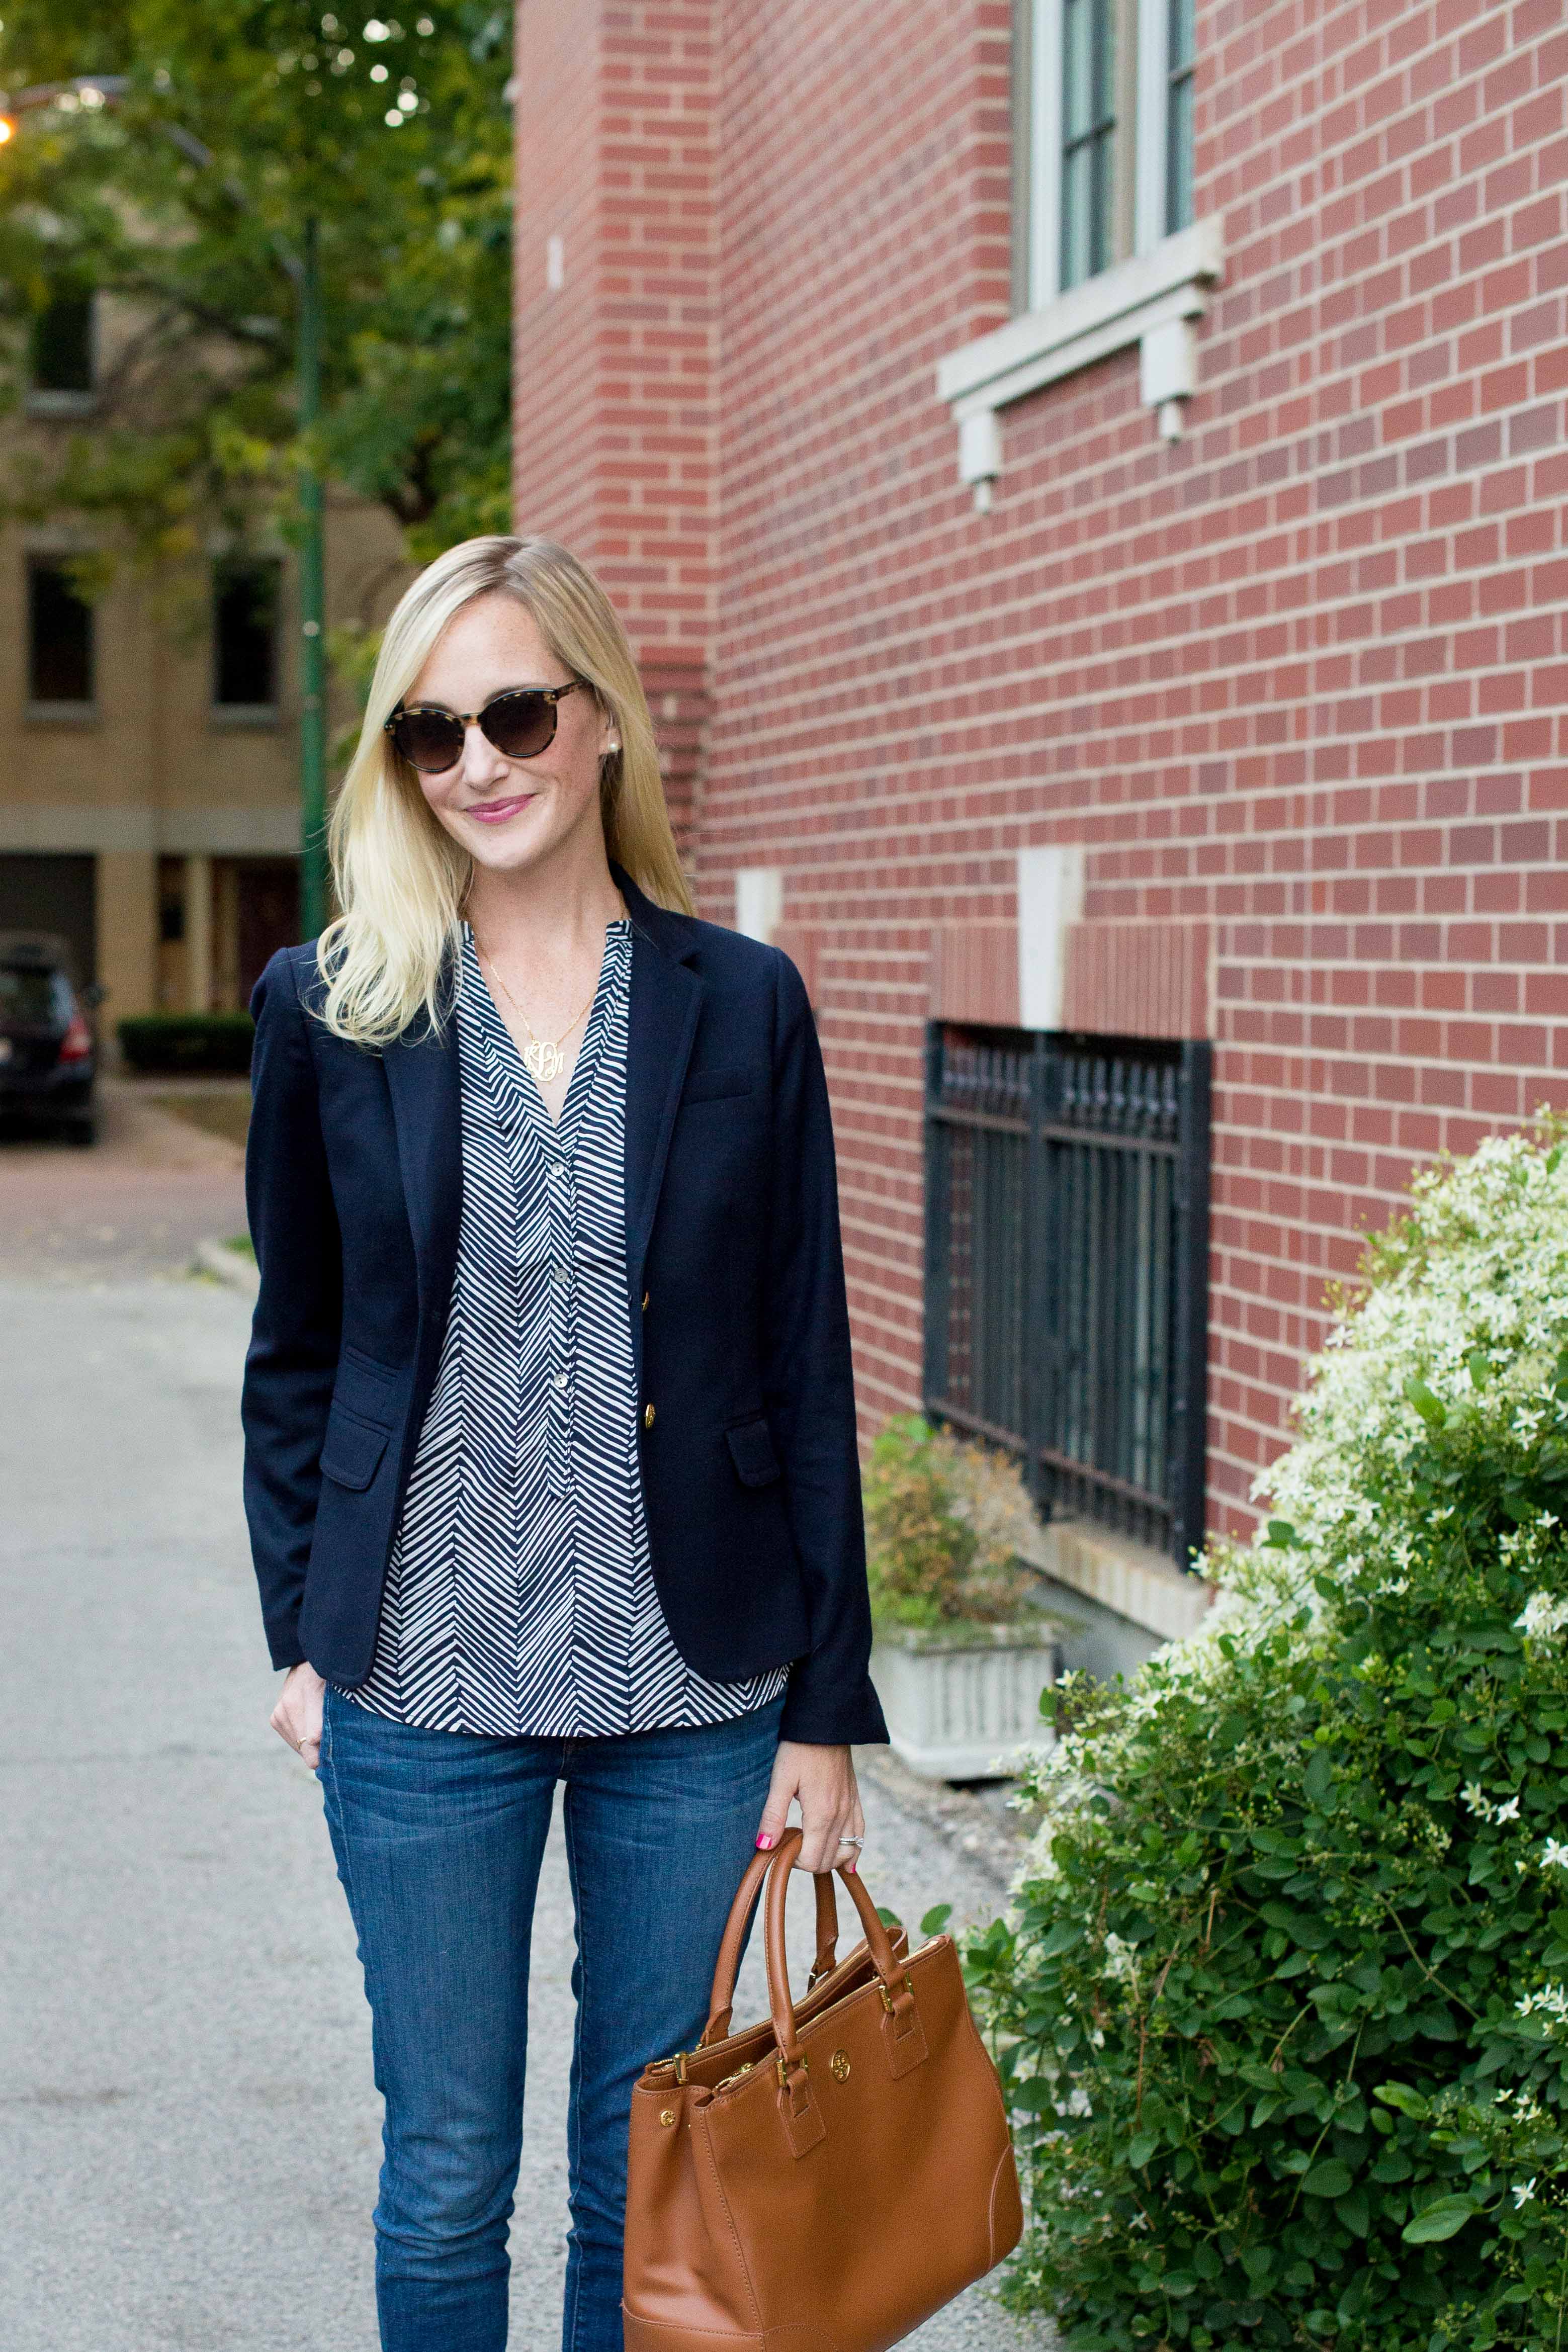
x=960 y=1697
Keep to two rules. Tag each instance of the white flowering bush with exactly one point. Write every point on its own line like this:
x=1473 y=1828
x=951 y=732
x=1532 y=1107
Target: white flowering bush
x=1281 y=2003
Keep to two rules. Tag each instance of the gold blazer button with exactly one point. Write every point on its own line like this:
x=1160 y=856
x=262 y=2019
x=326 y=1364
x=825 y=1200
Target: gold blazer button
x=647 y=1416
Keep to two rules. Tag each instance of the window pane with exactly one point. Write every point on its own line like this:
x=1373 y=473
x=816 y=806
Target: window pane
x=59 y=638
x=1179 y=118
x=244 y=634
x=1104 y=62
x=1104 y=202
x=1089 y=137
x=1078 y=215
x=62 y=346
x=1078 y=67
x=41 y=998
x=1179 y=156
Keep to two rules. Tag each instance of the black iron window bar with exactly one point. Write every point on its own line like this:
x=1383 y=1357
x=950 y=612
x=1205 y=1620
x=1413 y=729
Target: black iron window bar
x=1066 y=1268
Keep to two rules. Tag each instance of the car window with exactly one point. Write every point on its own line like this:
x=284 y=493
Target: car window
x=41 y=996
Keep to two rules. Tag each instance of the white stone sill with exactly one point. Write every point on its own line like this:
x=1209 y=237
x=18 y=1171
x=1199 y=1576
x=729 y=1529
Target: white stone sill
x=1151 y=300
x=1131 y=1578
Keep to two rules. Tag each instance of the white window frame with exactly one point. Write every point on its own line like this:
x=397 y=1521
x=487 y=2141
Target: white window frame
x=1151 y=299
x=1150 y=130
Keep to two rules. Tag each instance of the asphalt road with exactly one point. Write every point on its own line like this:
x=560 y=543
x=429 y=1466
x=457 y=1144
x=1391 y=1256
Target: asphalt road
x=190 y=2133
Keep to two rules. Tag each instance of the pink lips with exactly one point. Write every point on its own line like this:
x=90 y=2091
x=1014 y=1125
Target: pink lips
x=496 y=811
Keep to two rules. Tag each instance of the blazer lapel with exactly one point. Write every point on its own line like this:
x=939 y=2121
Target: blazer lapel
x=665 y=999
x=421 y=1077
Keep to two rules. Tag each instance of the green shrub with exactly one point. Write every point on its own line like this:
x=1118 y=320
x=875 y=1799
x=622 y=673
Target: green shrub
x=944 y=1521
x=1282 y=2001
x=211 y=1043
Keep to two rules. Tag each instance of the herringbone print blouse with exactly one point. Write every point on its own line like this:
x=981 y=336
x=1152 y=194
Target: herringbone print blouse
x=520 y=1597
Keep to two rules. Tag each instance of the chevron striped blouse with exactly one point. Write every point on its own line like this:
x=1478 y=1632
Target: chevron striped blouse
x=520 y=1598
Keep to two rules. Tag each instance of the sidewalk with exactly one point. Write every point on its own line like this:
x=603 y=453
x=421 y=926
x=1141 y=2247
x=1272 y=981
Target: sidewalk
x=137 y=1202
x=191 y=2131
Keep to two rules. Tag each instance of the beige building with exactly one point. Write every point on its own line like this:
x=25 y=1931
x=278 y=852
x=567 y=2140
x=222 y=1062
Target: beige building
x=150 y=811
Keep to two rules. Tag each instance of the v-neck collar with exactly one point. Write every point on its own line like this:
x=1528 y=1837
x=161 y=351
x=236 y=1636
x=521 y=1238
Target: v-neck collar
x=511 y=1080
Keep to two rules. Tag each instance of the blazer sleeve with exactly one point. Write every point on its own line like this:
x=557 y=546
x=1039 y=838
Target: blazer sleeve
x=809 y=1390
x=291 y=1362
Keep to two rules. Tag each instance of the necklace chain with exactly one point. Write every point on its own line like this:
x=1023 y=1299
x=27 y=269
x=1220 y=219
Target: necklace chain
x=543 y=1056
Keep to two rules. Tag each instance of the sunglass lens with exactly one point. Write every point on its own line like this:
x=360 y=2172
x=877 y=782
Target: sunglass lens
x=431 y=740
x=521 y=725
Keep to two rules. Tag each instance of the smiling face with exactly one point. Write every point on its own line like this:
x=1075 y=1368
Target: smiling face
x=512 y=814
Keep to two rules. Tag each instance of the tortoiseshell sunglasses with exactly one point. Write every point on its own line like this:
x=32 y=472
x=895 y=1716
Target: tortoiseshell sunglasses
x=521 y=723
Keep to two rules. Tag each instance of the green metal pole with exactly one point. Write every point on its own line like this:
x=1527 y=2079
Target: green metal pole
x=312 y=614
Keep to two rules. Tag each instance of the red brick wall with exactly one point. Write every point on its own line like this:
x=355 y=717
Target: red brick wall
x=614 y=440
x=1295 y=680
x=556 y=114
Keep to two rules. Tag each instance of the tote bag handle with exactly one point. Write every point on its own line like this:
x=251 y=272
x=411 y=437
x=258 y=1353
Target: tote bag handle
x=723 y=2000
x=780 y=2003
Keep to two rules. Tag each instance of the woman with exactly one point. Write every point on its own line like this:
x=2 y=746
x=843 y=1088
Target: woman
x=550 y=1466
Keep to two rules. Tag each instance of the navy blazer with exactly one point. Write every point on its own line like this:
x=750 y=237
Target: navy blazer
x=735 y=1294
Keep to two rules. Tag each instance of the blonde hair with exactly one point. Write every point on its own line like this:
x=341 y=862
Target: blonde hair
x=400 y=877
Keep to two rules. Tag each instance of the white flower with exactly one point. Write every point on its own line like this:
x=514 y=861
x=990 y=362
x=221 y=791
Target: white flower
x=1523 y=2190
x=1554 y=1854
x=1508 y=1813
x=1475 y=1800
x=1120 y=1959
x=1552 y=2001
x=1543 y=1618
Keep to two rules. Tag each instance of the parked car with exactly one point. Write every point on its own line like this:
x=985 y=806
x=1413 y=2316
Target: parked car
x=48 y=1053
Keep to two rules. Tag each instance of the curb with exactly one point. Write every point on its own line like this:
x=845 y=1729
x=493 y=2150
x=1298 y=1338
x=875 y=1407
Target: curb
x=227 y=1266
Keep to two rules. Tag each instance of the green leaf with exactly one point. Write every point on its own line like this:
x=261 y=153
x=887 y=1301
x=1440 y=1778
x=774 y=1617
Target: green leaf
x=1319 y=1775
x=1401 y=2095
x=1432 y=1409
x=1354 y=2212
x=1061 y=1938
x=1282 y=1536
x=1444 y=2219
x=936 y=1919
x=1140 y=2149
x=1299 y=1926
x=888 y=1918
x=1330 y=2179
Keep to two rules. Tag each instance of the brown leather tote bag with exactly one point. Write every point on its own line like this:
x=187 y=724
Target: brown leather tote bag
x=825 y=2181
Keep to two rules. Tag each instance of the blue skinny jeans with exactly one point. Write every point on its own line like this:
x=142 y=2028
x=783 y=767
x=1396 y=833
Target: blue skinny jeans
x=439 y=1837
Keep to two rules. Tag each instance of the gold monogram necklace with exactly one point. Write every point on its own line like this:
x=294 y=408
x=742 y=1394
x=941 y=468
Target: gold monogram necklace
x=543 y=1059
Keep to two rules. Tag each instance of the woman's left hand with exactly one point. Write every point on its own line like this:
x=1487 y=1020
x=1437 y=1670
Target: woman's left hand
x=822 y=1778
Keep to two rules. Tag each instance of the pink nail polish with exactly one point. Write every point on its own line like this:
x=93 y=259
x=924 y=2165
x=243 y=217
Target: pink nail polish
x=849 y=1865
x=765 y=1841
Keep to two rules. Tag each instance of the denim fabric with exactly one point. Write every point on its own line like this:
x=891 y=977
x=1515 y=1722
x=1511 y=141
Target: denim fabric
x=439 y=1837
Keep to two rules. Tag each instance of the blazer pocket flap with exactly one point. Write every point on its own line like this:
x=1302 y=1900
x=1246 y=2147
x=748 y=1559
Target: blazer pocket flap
x=751 y=1450
x=711 y=1085
x=353 y=1449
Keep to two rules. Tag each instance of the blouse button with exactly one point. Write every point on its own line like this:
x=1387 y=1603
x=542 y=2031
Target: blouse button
x=647 y=1416
x=560 y=1381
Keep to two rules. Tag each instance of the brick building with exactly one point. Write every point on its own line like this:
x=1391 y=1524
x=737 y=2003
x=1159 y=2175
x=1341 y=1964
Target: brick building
x=1086 y=479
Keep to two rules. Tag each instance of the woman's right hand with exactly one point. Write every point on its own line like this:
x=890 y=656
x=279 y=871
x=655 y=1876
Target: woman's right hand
x=297 y=1717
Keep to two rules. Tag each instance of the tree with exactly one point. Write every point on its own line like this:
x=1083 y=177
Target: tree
x=182 y=197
